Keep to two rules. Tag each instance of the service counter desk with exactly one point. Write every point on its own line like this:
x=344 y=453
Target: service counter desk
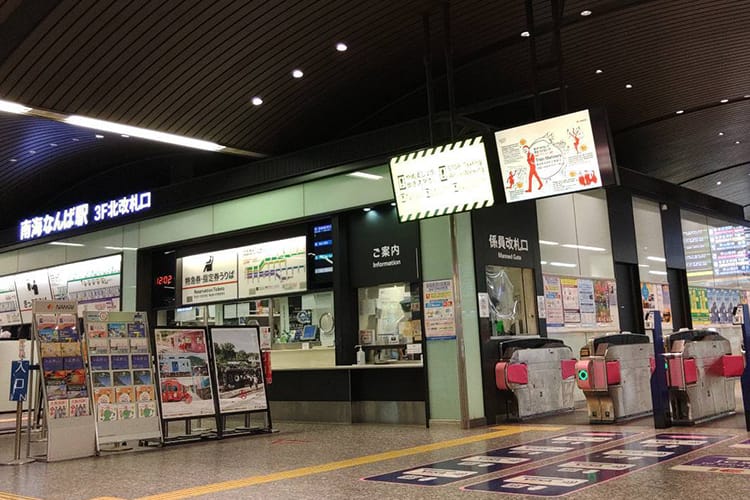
x=378 y=393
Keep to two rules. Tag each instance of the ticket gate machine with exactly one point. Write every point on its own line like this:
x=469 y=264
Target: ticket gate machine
x=614 y=373
x=701 y=375
x=535 y=374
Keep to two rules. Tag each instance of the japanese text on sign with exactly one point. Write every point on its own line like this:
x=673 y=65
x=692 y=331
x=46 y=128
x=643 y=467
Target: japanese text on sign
x=81 y=215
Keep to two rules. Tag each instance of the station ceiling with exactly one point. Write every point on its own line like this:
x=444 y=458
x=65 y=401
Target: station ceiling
x=673 y=77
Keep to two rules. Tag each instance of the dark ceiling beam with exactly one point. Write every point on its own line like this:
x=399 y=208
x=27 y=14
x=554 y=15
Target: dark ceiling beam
x=712 y=172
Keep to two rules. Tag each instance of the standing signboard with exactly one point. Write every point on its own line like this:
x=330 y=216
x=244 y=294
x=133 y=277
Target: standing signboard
x=70 y=423
x=185 y=387
x=122 y=376
x=239 y=369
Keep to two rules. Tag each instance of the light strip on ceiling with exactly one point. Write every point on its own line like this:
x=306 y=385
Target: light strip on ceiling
x=656 y=259
x=365 y=175
x=66 y=244
x=550 y=243
x=562 y=264
x=153 y=135
x=121 y=248
x=660 y=273
x=585 y=247
x=12 y=107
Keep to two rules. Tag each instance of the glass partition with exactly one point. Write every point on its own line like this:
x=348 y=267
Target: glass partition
x=652 y=264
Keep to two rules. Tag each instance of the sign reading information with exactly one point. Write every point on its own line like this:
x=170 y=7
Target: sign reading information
x=442 y=180
x=549 y=157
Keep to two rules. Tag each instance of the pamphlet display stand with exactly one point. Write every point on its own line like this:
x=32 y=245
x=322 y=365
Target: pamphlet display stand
x=186 y=391
x=122 y=378
x=239 y=379
x=66 y=395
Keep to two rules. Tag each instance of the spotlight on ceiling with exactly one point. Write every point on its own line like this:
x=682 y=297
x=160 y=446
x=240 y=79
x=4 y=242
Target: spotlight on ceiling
x=585 y=13
x=628 y=86
x=525 y=34
x=599 y=72
x=724 y=101
x=679 y=111
x=341 y=47
x=297 y=73
x=257 y=101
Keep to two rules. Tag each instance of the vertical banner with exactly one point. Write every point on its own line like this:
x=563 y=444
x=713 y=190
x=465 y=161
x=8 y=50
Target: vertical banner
x=571 y=300
x=239 y=369
x=122 y=376
x=439 y=312
x=184 y=381
x=554 y=303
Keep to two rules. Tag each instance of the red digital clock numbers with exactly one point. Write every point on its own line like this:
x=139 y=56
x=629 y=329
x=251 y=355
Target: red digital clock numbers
x=165 y=280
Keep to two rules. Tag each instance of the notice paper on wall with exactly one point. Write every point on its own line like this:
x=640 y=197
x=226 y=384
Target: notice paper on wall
x=439 y=311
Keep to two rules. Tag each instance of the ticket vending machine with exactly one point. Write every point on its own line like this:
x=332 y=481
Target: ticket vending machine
x=701 y=375
x=535 y=376
x=614 y=373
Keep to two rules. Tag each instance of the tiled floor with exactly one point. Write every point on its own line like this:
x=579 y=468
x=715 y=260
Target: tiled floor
x=306 y=461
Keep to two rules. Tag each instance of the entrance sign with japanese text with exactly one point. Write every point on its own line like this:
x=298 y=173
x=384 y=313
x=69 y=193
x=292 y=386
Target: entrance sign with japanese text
x=551 y=157
x=443 y=180
x=80 y=216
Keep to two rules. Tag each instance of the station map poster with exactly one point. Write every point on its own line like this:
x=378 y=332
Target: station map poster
x=552 y=157
x=442 y=180
x=184 y=381
x=273 y=267
x=31 y=286
x=94 y=284
x=10 y=312
x=239 y=369
x=209 y=277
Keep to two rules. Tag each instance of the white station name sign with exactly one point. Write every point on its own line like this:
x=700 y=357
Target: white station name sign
x=81 y=215
x=442 y=180
x=549 y=157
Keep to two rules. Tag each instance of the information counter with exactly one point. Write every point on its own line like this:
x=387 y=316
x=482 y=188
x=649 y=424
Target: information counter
x=382 y=393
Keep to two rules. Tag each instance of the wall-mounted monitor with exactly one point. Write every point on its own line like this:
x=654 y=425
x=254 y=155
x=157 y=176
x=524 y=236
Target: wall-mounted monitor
x=442 y=180
x=560 y=155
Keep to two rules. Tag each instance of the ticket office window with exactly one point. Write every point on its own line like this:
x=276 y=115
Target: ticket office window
x=389 y=326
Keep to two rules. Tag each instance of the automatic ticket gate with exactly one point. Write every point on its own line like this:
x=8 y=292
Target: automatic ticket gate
x=535 y=375
x=614 y=374
x=701 y=375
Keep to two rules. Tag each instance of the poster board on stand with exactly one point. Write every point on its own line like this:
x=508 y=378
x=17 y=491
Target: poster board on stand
x=238 y=364
x=185 y=387
x=122 y=377
x=66 y=393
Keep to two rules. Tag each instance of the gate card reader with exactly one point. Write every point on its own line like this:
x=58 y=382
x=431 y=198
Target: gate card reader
x=614 y=374
x=701 y=375
x=537 y=374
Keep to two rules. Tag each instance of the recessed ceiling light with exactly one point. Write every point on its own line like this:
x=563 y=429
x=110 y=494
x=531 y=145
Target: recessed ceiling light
x=126 y=136
x=12 y=160
x=75 y=139
x=599 y=72
x=66 y=244
x=525 y=34
x=736 y=142
x=724 y=101
x=393 y=203
x=52 y=144
x=99 y=136
x=341 y=47
x=367 y=209
x=718 y=183
x=721 y=133
x=297 y=73
x=628 y=86
x=31 y=152
x=257 y=101
x=585 y=13
x=680 y=111
x=365 y=175
x=746 y=96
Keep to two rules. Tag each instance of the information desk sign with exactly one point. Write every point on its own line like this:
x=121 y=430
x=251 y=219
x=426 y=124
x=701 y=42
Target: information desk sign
x=19 y=380
x=442 y=180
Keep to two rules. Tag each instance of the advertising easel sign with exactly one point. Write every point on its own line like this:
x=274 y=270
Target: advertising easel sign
x=239 y=369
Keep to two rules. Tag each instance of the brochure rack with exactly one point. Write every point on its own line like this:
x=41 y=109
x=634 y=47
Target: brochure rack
x=68 y=419
x=121 y=372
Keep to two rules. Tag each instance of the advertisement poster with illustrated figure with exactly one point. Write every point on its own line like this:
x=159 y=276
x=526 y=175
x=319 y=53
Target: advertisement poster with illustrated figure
x=273 y=267
x=184 y=381
x=601 y=301
x=209 y=277
x=571 y=300
x=548 y=157
x=553 y=300
x=239 y=369
x=699 y=307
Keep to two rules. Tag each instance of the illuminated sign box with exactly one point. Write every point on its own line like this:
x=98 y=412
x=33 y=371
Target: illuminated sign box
x=561 y=155
x=442 y=180
x=82 y=215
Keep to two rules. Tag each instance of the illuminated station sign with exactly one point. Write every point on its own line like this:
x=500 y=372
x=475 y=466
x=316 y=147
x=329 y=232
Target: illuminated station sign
x=82 y=215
